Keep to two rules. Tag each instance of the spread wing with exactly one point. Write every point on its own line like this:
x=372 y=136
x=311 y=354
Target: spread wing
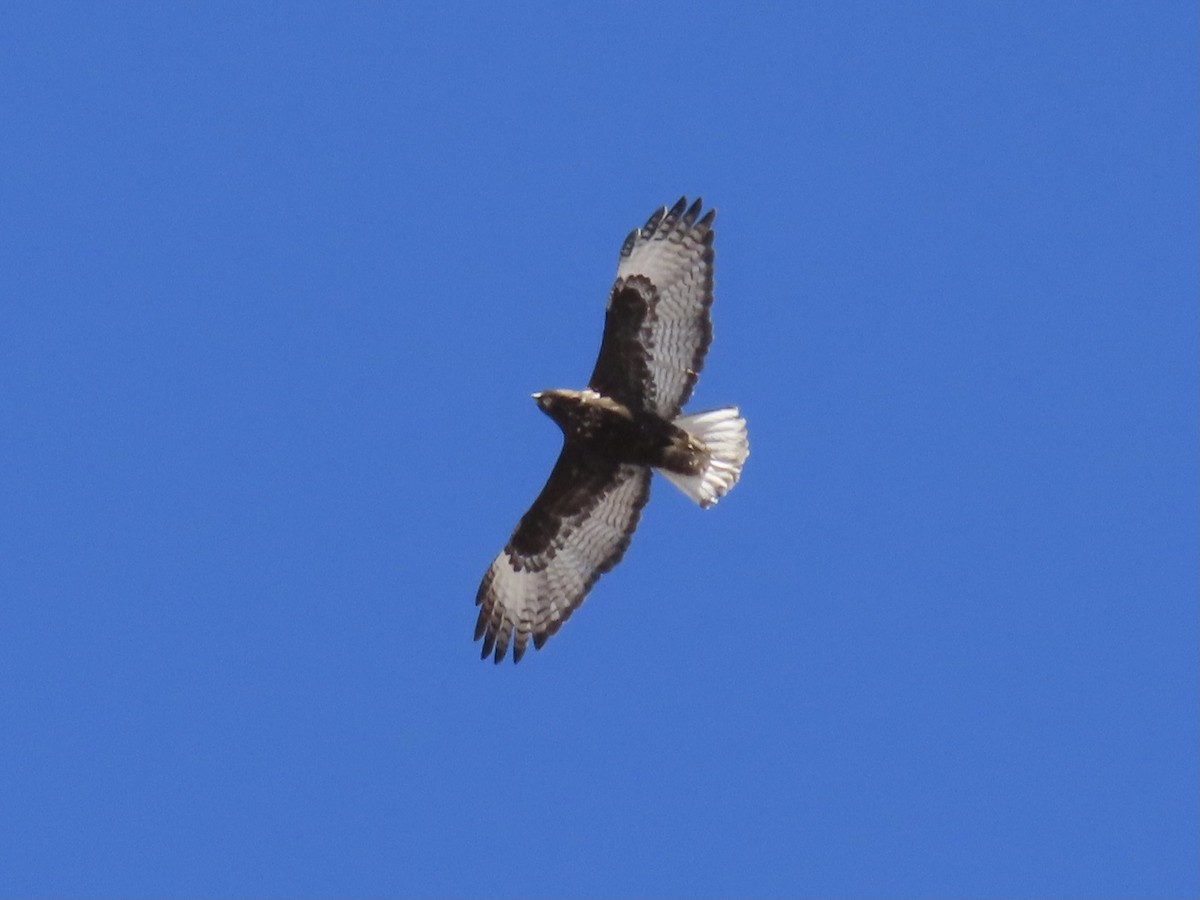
x=657 y=327
x=576 y=530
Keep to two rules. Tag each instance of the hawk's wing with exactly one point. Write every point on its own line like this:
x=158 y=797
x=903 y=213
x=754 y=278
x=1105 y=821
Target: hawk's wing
x=657 y=329
x=576 y=530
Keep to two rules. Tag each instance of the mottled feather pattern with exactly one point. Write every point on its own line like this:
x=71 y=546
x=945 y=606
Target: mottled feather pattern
x=673 y=252
x=669 y=264
x=529 y=593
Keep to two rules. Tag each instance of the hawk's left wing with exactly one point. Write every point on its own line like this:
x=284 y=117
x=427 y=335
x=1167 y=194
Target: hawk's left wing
x=576 y=530
x=657 y=328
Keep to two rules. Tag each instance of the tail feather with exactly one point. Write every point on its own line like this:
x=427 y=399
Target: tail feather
x=723 y=432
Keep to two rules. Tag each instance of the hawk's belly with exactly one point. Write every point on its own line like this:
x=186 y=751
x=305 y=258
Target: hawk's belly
x=614 y=431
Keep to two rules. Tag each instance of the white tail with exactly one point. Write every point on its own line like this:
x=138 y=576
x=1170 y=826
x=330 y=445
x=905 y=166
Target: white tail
x=723 y=432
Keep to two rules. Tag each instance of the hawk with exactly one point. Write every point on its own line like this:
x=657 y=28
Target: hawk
x=626 y=423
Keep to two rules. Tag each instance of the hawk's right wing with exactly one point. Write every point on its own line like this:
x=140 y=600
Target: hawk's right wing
x=657 y=328
x=576 y=530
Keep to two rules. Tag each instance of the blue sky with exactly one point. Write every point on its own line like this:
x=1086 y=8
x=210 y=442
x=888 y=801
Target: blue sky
x=275 y=287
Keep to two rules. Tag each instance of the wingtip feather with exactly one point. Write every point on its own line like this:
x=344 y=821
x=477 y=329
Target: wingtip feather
x=654 y=221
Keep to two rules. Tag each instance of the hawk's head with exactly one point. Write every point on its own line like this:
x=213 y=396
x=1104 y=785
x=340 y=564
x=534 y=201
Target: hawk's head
x=558 y=404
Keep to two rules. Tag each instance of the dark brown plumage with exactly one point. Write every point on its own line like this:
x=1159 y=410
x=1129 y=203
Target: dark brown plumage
x=627 y=422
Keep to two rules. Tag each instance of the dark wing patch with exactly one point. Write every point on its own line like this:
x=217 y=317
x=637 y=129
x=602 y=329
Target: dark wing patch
x=578 y=528
x=657 y=327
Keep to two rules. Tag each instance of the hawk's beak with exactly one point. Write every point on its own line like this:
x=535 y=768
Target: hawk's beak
x=537 y=395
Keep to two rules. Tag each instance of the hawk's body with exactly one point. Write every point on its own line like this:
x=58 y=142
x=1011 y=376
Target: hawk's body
x=656 y=333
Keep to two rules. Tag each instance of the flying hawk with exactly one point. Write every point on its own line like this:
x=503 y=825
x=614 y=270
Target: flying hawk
x=625 y=423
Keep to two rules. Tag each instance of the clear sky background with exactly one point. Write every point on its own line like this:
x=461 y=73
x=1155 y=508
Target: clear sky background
x=275 y=287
